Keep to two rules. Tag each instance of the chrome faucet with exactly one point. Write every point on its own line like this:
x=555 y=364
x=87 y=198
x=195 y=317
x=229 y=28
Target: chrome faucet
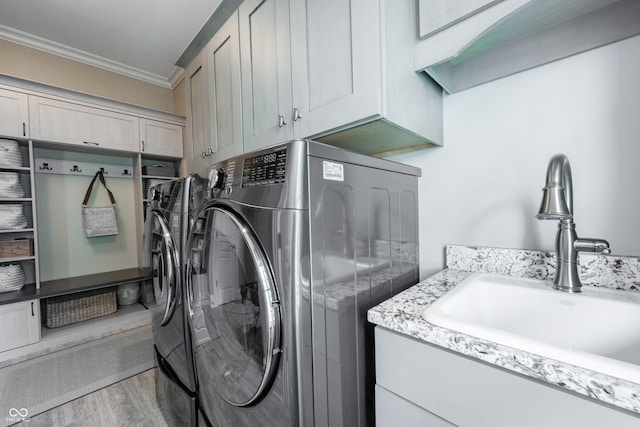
x=557 y=203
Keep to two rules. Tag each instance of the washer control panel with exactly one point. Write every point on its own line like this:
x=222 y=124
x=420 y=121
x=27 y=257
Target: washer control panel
x=265 y=169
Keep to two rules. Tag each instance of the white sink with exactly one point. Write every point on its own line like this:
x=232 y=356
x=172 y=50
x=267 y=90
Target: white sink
x=598 y=329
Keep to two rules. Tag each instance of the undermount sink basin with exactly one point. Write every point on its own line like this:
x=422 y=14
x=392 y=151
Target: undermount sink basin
x=597 y=329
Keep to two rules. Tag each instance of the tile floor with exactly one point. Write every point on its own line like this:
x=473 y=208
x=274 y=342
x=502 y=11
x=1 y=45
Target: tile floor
x=130 y=402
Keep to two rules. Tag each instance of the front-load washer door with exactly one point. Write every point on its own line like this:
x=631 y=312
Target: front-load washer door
x=165 y=263
x=234 y=310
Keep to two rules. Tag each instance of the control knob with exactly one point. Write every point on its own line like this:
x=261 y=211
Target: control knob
x=218 y=181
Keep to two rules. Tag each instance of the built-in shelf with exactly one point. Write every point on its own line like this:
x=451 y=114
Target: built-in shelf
x=16 y=259
x=15 y=168
x=20 y=230
x=54 y=288
x=167 y=178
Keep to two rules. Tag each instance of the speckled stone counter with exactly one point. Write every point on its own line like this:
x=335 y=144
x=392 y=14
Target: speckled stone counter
x=403 y=314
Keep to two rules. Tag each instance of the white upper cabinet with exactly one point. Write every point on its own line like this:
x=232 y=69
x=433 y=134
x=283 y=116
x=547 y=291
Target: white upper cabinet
x=336 y=63
x=340 y=71
x=68 y=123
x=14 y=114
x=266 y=72
x=467 y=43
x=214 y=99
x=160 y=139
x=225 y=109
x=198 y=123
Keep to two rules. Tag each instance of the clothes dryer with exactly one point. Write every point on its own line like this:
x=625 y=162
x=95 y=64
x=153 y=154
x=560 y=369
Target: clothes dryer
x=165 y=238
x=290 y=247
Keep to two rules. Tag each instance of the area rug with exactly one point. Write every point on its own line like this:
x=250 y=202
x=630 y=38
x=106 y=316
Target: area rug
x=37 y=385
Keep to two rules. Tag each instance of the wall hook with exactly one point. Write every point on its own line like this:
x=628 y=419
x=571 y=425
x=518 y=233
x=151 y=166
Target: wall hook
x=126 y=172
x=45 y=166
x=104 y=172
x=75 y=169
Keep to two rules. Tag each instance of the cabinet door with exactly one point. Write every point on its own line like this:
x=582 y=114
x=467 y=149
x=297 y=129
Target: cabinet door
x=336 y=63
x=159 y=138
x=198 y=123
x=65 y=122
x=266 y=75
x=223 y=56
x=14 y=113
x=19 y=324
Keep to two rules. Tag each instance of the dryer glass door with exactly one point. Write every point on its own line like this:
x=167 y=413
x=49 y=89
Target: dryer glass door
x=235 y=315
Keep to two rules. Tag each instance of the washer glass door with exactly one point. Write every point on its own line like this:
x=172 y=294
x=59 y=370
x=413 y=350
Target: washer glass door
x=235 y=315
x=165 y=265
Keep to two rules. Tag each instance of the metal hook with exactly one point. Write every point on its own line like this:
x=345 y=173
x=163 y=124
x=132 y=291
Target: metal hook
x=45 y=166
x=126 y=172
x=75 y=169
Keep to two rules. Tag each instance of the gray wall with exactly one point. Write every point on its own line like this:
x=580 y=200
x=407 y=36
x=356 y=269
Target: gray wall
x=64 y=250
x=483 y=187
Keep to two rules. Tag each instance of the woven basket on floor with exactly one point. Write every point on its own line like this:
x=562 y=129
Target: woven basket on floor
x=67 y=309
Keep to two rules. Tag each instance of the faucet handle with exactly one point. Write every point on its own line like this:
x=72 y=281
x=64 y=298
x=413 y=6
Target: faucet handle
x=592 y=245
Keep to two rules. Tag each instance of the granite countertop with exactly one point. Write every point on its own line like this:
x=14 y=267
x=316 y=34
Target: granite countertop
x=403 y=314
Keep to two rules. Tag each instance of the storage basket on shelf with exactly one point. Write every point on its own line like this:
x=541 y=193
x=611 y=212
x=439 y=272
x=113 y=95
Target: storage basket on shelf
x=16 y=248
x=10 y=155
x=10 y=185
x=128 y=293
x=73 y=308
x=159 y=170
x=12 y=216
x=12 y=277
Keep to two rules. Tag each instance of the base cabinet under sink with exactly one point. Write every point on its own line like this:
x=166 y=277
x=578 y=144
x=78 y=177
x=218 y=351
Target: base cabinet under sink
x=420 y=384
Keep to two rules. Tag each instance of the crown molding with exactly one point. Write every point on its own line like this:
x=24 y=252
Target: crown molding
x=176 y=76
x=58 y=49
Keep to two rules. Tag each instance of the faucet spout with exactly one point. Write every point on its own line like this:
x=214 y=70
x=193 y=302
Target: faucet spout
x=557 y=199
x=557 y=203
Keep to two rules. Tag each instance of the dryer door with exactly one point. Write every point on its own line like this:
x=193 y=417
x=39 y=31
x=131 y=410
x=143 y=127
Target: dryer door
x=234 y=309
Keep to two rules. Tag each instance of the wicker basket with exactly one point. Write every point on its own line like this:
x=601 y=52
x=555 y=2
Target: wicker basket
x=67 y=309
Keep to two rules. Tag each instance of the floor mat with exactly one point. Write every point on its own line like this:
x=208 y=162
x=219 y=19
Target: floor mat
x=34 y=386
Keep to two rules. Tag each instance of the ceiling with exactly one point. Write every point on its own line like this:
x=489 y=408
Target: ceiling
x=138 y=38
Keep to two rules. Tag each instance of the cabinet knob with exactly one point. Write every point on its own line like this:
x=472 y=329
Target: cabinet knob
x=204 y=153
x=210 y=151
x=296 y=115
x=281 y=121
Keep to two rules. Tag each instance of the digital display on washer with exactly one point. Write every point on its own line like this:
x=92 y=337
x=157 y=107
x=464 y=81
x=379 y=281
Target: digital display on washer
x=265 y=169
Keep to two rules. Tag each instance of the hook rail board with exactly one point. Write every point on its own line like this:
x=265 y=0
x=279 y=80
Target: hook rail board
x=70 y=167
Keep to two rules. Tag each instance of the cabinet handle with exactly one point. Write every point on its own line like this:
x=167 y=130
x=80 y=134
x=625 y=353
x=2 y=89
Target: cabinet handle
x=142 y=145
x=24 y=129
x=281 y=121
x=90 y=143
x=204 y=153
x=296 y=115
x=32 y=312
x=210 y=151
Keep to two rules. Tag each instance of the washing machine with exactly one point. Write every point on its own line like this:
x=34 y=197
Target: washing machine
x=165 y=237
x=289 y=248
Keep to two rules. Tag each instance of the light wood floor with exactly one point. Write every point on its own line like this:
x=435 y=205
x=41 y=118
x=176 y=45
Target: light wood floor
x=131 y=402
